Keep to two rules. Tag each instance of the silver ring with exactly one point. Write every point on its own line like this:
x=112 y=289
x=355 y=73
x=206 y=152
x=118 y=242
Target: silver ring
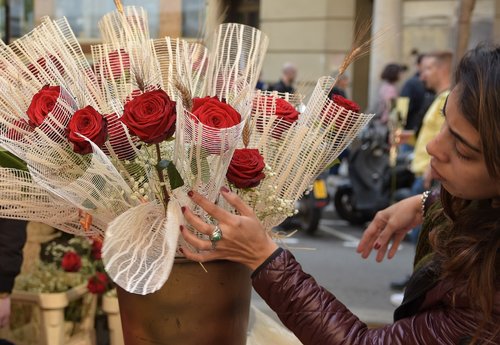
x=215 y=236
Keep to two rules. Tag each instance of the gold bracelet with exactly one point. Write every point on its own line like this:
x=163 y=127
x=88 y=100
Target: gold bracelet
x=4 y=295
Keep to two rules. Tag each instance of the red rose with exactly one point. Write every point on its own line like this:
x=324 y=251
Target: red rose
x=42 y=104
x=341 y=114
x=245 y=169
x=71 y=262
x=150 y=116
x=98 y=283
x=285 y=112
x=96 y=251
x=17 y=132
x=117 y=59
x=214 y=113
x=42 y=62
x=89 y=123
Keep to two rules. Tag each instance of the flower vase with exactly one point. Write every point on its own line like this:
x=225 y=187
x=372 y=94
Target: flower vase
x=193 y=307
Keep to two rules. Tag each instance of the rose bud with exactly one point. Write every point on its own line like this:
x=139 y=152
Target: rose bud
x=245 y=169
x=71 y=262
x=150 y=116
x=42 y=63
x=42 y=104
x=89 y=123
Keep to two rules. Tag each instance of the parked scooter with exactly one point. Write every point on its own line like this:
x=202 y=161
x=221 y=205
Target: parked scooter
x=310 y=208
x=373 y=183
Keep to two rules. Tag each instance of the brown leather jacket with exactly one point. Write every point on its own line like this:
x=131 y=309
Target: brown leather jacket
x=431 y=314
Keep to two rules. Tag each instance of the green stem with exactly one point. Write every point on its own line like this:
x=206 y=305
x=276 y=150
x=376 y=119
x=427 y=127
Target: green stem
x=166 y=197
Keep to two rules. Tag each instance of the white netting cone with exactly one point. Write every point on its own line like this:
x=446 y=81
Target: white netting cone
x=119 y=28
x=140 y=245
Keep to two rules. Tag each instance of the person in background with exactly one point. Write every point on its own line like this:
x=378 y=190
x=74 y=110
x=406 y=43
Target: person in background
x=454 y=293
x=387 y=92
x=12 y=240
x=436 y=76
x=341 y=85
x=420 y=98
x=289 y=73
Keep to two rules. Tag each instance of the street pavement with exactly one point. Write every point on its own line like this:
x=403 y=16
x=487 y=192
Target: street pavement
x=330 y=257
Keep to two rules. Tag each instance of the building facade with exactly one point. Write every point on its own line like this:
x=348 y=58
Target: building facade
x=314 y=35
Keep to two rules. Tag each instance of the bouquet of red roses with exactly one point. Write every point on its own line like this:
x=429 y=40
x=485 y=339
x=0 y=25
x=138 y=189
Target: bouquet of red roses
x=109 y=151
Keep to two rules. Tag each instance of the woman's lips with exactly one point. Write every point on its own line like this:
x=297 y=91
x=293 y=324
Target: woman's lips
x=435 y=175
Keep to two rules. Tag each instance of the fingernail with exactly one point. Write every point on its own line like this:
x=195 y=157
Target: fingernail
x=181 y=250
x=181 y=227
x=377 y=246
x=224 y=189
x=183 y=209
x=190 y=194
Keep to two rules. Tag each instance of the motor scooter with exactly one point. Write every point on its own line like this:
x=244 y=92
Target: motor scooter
x=374 y=183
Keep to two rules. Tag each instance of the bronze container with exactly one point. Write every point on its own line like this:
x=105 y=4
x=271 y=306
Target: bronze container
x=194 y=307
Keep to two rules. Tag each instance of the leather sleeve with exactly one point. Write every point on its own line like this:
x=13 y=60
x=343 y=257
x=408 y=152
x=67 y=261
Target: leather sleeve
x=317 y=317
x=12 y=240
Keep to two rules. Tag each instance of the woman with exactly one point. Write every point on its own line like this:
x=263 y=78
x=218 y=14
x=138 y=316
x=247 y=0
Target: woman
x=388 y=91
x=453 y=296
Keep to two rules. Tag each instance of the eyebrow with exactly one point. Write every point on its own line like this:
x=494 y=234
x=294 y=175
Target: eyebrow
x=456 y=135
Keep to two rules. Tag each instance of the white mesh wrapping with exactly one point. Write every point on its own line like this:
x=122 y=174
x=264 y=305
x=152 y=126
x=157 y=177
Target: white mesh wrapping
x=140 y=246
x=297 y=153
x=120 y=28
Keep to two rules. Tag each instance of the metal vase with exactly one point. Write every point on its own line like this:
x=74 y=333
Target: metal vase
x=194 y=307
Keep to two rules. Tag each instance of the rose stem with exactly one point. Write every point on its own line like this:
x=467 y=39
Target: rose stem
x=166 y=197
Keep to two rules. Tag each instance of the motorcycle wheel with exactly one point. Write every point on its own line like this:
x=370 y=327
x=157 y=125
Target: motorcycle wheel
x=309 y=215
x=345 y=209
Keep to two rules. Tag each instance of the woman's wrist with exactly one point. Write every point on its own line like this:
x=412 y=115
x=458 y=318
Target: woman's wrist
x=263 y=255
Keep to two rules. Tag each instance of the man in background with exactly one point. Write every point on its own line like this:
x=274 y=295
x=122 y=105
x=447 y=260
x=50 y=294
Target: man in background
x=289 y=73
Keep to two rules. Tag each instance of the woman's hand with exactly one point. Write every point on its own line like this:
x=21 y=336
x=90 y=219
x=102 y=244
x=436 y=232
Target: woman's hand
x=391 y=224
x=4 y=311
x=244 y=238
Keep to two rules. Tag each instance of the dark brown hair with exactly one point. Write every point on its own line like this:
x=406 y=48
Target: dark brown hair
x=391 y=73
x=467 y=247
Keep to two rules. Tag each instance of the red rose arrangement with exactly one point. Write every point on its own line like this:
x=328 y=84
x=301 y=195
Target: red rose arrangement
x=71 y=262
x=14 y=134
x=150 y=116
x=341 y=115
x=89 y=123
x=285 y=112
x=42 y=104
x=98 y=283
x=246 y=168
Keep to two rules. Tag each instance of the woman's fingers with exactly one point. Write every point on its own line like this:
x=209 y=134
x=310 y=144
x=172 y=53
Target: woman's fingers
x=234 y=200
x=202 y=256
x=395 y=245
x=212 y=209
x=194 y=240
x=197 y=222
x=370 y=235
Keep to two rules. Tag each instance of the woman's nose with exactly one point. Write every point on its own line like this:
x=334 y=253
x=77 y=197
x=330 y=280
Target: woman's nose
x=437 y=147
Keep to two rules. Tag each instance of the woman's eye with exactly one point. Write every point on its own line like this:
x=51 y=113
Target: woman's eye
x=461 y=156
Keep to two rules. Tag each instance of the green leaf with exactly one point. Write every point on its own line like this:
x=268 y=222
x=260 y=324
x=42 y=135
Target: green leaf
x=8 y=160
x=205 y=168
x=174 y=177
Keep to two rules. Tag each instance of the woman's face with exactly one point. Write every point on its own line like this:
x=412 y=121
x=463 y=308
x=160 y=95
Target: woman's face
x=457 y=160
